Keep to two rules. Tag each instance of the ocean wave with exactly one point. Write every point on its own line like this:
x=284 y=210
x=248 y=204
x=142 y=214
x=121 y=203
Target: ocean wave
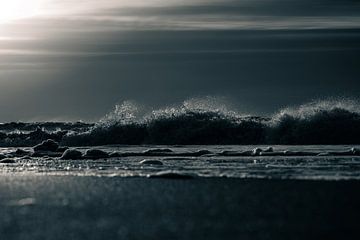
x=193 y=122
x=335 y=121
x=16 y=134
x=202 y=121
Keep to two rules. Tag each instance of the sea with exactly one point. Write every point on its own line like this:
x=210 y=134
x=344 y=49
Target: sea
x=323 y=162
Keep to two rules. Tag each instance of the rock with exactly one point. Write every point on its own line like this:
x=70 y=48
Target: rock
x=228 y=153
x=246 y=153
x=179 y=158
x=7 y=160
x=268 y=149
x=235 y=153
x=2 y=156
x=62 y=149
x=193 y=154
x=157 y=152
x=171 y=175
x=286 y=152
x=46 y=154
x=21 y=153
x=131 y=154
x=151 y=162
x=272 y=153
x=256 y=151
x=115 y=155
x=23 y=202
x=201 y=153
x=355 y=151
x=47 y=146
x=95 y=154
x=71 y=154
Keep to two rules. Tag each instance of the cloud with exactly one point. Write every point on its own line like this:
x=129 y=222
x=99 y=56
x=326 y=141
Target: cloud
x=110 y=15
x=83 y=56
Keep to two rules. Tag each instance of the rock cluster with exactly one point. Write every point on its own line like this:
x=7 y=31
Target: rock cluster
x=95 y=154
x=47 y=146
x=71 y=154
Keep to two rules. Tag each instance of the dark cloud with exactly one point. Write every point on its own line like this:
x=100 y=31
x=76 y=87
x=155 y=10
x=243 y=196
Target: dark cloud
x=229 y=8
x=261 y=54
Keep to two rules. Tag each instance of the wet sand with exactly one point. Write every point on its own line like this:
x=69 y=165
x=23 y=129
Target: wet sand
x=73 y=207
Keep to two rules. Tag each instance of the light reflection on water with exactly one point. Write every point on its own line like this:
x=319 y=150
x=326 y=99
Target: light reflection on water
x=286 y=167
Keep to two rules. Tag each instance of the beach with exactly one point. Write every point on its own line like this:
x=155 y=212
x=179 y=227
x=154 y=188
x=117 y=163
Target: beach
x=92 y=207
x=179 y=120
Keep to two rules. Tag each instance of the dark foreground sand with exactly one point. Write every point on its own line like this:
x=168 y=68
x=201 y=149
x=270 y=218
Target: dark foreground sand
x=69 y=207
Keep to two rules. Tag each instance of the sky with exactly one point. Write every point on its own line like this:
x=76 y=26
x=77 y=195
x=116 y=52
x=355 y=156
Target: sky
x=69 y=60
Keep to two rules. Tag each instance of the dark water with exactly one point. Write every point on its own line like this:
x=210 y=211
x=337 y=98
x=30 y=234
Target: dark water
x=74 y=207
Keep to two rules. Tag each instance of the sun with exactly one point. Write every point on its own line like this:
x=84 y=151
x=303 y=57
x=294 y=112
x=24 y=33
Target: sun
x=11 y=10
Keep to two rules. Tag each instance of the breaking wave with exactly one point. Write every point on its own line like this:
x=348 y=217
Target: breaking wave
x=202 y=121
x=335 y=121
x=196 y=121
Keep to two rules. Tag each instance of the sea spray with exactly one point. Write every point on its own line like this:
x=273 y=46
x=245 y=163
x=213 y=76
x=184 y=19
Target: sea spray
x=205 y=121
x=334 y=121
x=124 y=113
x=195 y=121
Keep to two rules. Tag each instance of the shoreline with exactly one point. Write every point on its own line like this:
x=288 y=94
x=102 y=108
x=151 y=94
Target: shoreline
x=69 y=207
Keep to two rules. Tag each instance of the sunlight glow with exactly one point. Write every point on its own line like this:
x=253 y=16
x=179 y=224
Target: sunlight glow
x=11 y=10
